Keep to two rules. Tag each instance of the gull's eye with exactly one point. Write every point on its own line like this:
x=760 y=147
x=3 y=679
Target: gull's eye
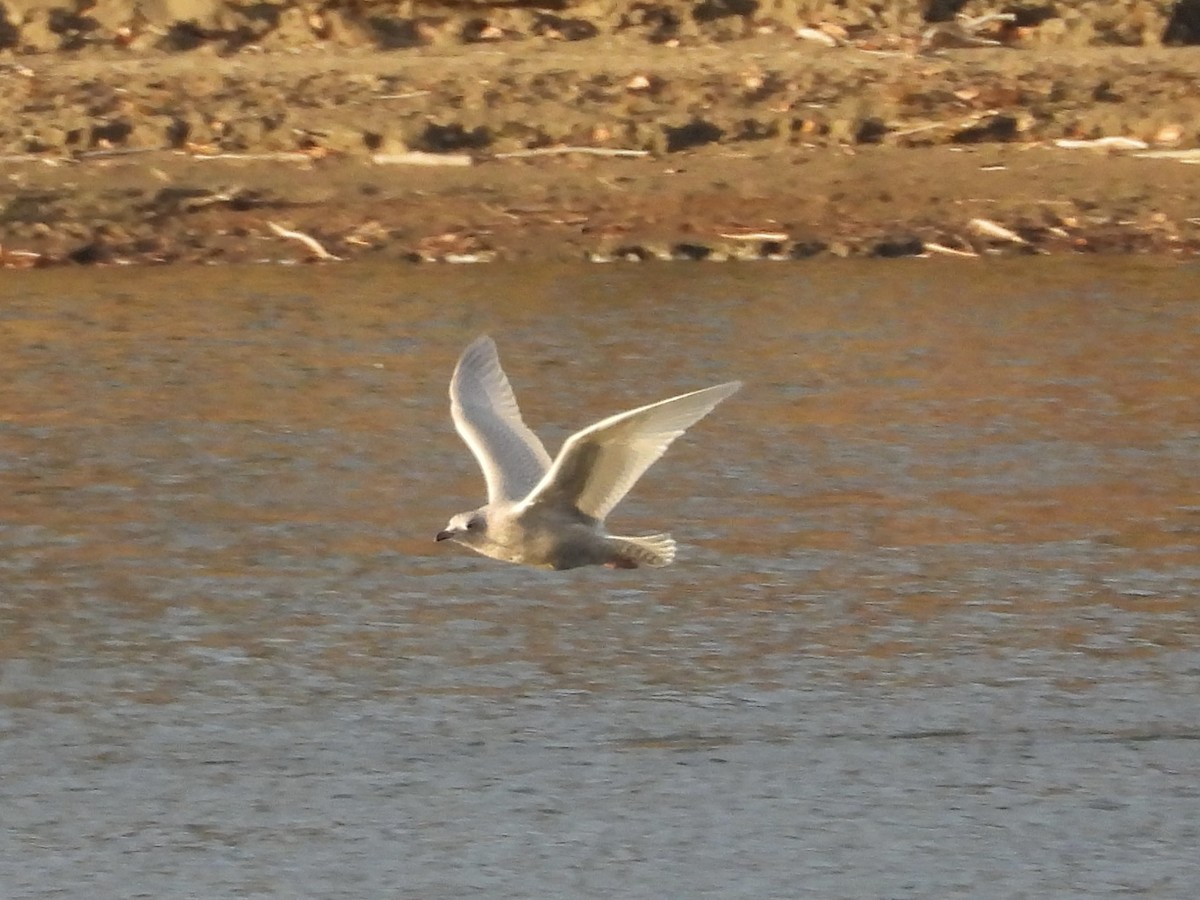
x=473 y=525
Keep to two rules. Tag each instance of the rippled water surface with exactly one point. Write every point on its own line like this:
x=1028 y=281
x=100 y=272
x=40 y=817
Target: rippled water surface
x=933 y=630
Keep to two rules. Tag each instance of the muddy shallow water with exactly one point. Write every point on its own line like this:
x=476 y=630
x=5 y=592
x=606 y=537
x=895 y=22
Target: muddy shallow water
x=932 y=632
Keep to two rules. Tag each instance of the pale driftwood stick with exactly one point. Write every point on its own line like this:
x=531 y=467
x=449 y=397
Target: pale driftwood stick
x=419 y=158
x=115 y=152
x=310 y=242
x=35 y=157
x=1104 y=143
x=211 y=199
x=816 y=35
x=18 y=259
x=1183 y=156
x=560 y=151
x=978 y=22
x=917 y=129
x=754 y=236
x=961 y=32
x=988 y=228
x=931 y=247
x=281 y=156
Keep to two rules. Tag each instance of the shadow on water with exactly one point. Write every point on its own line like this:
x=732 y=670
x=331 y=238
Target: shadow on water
x=933 y=629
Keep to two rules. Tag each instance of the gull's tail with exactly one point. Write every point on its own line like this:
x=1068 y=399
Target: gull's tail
x=652 y=550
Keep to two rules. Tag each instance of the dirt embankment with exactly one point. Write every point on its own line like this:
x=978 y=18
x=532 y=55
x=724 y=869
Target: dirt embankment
x=211 y=130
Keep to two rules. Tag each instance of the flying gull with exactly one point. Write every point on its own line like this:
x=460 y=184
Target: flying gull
x=550 y=513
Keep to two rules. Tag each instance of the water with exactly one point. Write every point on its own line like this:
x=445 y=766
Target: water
x=933 y=630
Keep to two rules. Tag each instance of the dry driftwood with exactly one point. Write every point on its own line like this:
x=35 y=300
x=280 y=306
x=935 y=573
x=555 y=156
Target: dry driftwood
x=307 y=240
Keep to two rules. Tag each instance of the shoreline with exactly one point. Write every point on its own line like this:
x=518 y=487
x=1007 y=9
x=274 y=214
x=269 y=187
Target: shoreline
x=160 y=207
x=757 y=147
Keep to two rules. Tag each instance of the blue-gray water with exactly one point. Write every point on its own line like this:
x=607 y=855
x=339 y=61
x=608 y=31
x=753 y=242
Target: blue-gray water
x=933 y=630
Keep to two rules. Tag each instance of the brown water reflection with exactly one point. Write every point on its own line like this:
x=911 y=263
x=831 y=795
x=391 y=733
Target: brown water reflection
x=933 y=629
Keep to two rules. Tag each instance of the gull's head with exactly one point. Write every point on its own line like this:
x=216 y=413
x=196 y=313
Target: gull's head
x=468 y=528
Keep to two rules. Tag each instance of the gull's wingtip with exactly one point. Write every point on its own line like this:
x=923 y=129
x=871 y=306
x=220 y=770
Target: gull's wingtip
x=721 y=391
x=481 y=342
x=481 y=351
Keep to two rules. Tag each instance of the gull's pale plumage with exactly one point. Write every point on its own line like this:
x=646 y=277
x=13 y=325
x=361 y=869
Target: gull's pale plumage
x=485 y=413
x=552 y=514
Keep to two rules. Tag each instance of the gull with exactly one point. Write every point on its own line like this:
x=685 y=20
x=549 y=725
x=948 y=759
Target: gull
x=551 y=513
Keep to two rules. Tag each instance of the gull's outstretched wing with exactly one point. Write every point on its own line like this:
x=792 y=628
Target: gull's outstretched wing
x=486 y=415
x=597 y=466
